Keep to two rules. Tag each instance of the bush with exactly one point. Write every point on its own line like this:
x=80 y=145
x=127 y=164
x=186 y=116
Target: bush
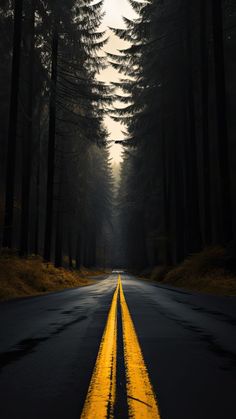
x=21 y=277
x=211 y=271
x=159 y=273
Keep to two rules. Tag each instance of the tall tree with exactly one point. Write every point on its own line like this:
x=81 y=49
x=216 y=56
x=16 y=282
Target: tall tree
x=12 y=126
x=193 y=229
x=27 y=145
x=51 y=143
x=204 y=15
x=222 y=123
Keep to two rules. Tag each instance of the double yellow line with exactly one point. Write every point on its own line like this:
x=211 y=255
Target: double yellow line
x=100 y=400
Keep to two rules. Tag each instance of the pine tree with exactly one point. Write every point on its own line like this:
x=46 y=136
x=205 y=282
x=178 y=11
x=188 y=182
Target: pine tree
x=12 y=126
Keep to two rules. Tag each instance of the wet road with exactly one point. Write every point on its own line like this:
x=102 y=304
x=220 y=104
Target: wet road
x=49 y=346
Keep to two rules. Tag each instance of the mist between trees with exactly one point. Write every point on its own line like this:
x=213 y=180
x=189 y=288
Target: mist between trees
x=177 y=183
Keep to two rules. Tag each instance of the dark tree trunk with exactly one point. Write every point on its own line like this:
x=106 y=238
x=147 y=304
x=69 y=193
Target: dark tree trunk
x=51 y=150
x=93 y=246
x=165 y=189
x=59 y=227
x=179 y=212
x=70 y=250
x=27 y=157
x=223 y=146
x=89 y=254
x=90 y=251
x=140 y=257
x=58 y=237
x=205 y=125
x=36 y=237
x=193 y=233
x=166 y=203
x=86 y=249
x=12 y=126
x=37 y=192
x=78 y=252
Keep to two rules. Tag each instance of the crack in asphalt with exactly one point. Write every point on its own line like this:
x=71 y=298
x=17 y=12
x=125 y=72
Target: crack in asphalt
x=213 y=345
x=223 y=317
x=138 y=400
x=29 y=345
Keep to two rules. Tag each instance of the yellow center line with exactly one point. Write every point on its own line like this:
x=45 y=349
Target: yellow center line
x=100 y=400
x=141 y=397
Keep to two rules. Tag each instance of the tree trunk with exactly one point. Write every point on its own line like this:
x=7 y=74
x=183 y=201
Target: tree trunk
x=36 y=237
x=165 y=189
x=12 y=126
x=58 y=237
x=93 y=247
x=223 y=140
x=51 y=149
x=78 y=252
x=178 y=192
x=205 y=125
x=70 y=250
x=59 y=219
x=27 y=157
x=166 y=203
x=193 y=232
x=86 y=249
x=37 y=192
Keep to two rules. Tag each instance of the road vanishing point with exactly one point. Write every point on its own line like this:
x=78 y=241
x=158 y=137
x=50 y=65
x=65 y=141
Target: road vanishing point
x=120 y=348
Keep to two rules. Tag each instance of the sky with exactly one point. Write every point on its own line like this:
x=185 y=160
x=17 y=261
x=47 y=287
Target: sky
x=114 y=10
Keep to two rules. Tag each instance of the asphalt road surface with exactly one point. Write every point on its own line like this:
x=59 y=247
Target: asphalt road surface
x=49 y=349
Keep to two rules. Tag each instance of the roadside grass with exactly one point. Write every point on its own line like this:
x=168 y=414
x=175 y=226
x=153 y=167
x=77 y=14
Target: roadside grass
x=21 y=277
x=211 y=271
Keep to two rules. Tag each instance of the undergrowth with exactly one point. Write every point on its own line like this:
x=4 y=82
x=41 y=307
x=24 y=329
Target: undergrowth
x=211 y=271
x=21 y=277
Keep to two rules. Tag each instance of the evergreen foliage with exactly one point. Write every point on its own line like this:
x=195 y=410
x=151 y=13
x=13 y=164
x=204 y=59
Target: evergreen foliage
x=178 y=78
x=62 y=176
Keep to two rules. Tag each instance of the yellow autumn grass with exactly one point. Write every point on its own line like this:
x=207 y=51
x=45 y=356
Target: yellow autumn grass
x=208 y=271
x=24 y=277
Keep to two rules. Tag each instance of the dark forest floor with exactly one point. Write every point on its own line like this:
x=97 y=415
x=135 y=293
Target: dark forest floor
x=211 y=271
x=22 y=277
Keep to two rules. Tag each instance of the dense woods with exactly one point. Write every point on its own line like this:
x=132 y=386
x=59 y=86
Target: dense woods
x=178 y=184
x=56 y=182
x=177 y=190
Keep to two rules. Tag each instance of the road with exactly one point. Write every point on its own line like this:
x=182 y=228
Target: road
x=49 y=352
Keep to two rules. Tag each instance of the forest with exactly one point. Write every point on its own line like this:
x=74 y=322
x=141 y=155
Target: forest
x=178 y=181
x=176 y=95
x=56 y=180
x=117 y=209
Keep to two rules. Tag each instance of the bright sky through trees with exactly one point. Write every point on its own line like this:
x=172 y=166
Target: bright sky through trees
x=114 y=10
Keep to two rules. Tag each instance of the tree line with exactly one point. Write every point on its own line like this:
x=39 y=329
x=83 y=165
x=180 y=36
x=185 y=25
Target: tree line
x=56 y=181
x=178 y=185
